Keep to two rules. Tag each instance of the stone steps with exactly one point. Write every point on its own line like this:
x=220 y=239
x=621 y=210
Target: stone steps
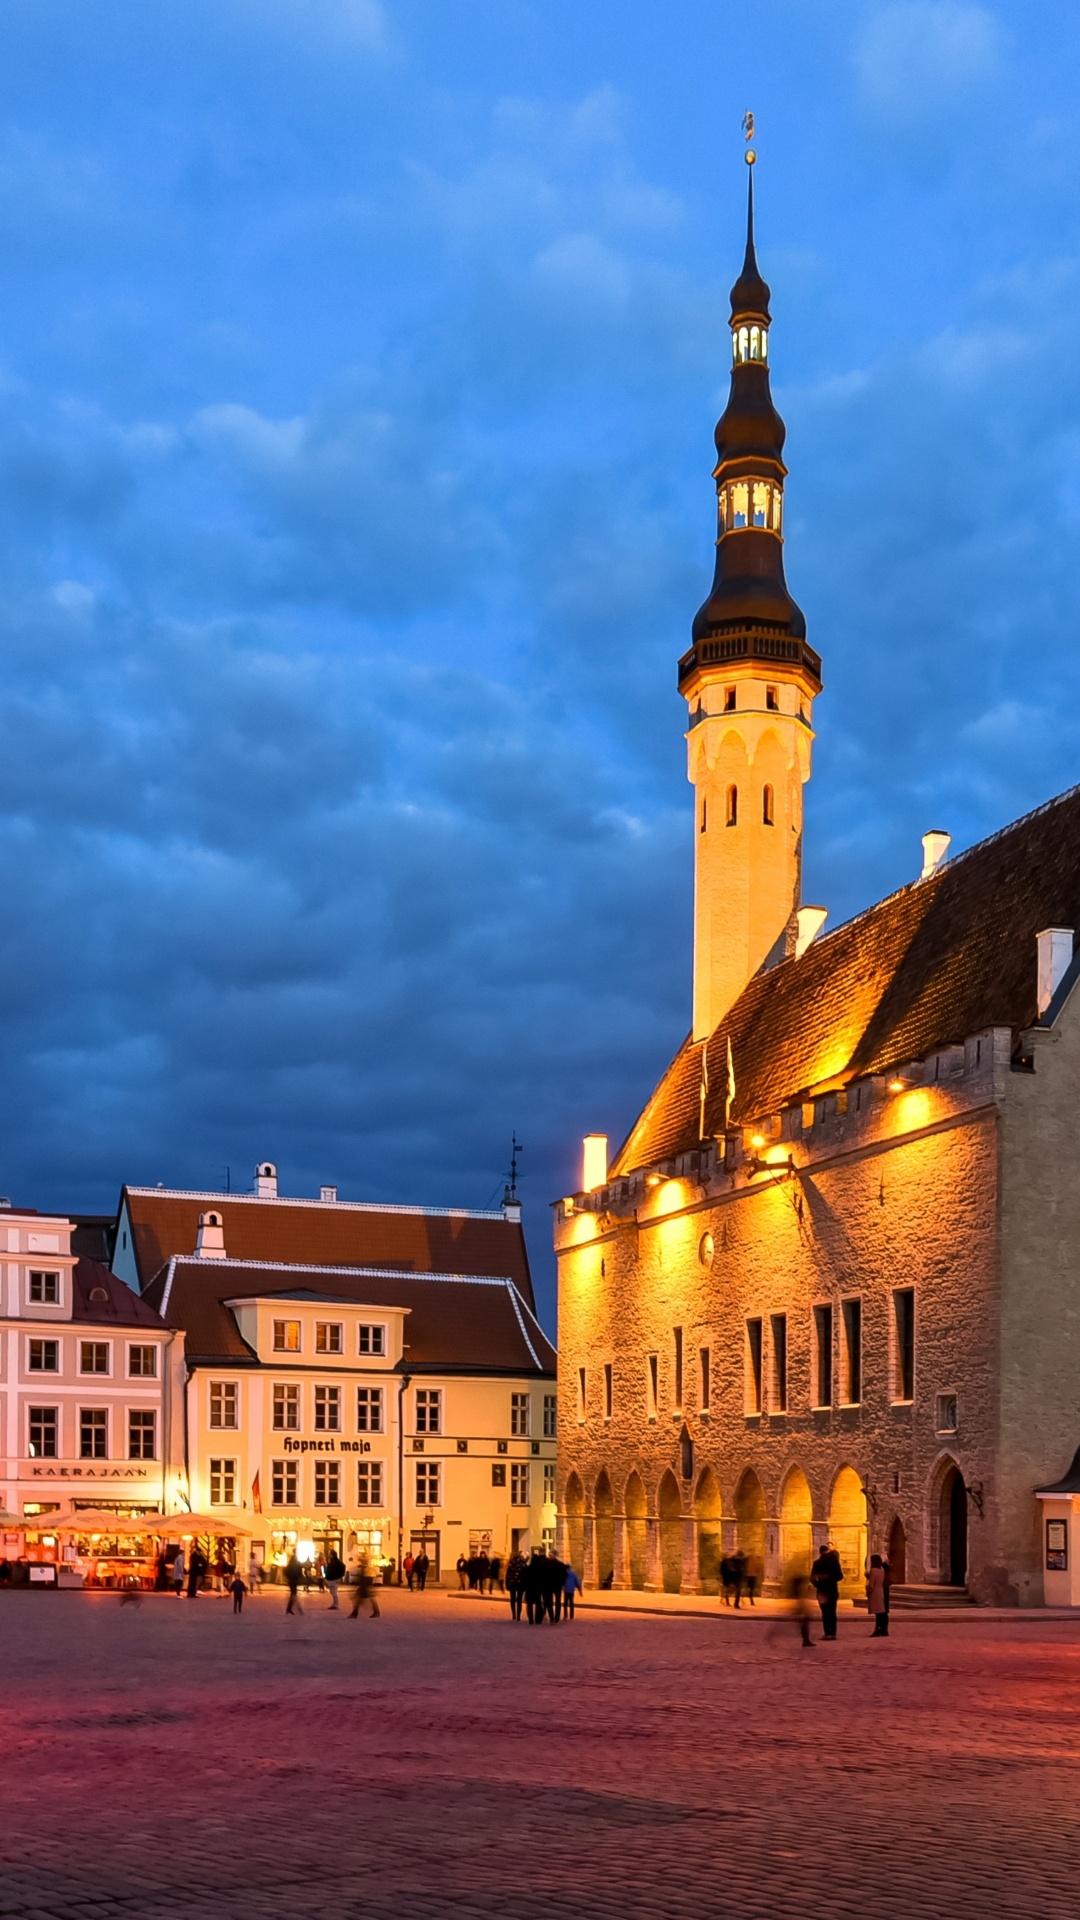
x=903 y=1598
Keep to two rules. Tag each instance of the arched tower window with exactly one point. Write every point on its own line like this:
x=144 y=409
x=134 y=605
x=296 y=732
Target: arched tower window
x=767 y=807
x=733 y=806
x=750 y=503
x=749 y=343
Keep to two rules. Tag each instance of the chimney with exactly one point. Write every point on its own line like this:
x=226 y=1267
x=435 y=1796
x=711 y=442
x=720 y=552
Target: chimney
x=935 y=845
x=1055 y=950
x=328 y=1193
x=810 y=922
x=593 y=1161
x=511 y=1208
x=210 y=1244
x=266 y=1180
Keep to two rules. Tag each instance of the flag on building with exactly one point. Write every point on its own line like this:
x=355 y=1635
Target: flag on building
x=256 y=1493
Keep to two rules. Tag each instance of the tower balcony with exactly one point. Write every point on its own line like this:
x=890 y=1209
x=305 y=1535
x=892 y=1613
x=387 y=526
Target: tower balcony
x=749 y=643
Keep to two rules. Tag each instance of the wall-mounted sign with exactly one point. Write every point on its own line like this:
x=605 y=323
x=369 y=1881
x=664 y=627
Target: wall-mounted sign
x=34 y=1472
x=1057 y=1546
x=326 y=1446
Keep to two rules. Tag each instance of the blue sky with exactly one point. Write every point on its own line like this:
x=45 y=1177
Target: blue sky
x=359 y=361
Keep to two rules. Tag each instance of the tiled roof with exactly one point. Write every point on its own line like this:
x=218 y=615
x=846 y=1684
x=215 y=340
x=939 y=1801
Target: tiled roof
x=328 y=1233
x=942 y=959
x=466 y=1324
x=97 y=1295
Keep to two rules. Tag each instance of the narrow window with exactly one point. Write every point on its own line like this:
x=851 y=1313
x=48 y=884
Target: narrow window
x=654 y=1373
x=581 y=1393
x=93 y=1433
x=284 y=1483
x=733 y=806
x=551 y=1415
x=427 y=1484
x=142 y=1436
x=328 y=1410
x=43 y=1424
x=519 y=1485
x=823 y=1356
x=327 y=1483
x=608 y=1390
x=678 y=1368
x=549 y=1483
x=779 y=1361
x=761 y=503
x=767 y=806
x=369 y=1483
x=286 y=1336
x=852 y=1352
x=286 y=1413
x=429 y=1410
x=947 y=1420
x=729 y=699
x=753 y=1366
x=223 y=1399
x=369 y=1410
x=904 y=1367
x=519 y=1415
x=755 y=343
x=772 y=699
x=740 y=501
x=705 y=1358
x=223 y=1483
x=704 y=813
x=777 y=508
x=498 y=1473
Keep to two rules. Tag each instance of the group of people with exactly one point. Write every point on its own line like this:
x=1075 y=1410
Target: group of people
x=738 y=1575
x=545 y=1586
x=416 y=1567
x=826 y=1576
x=333 y=1571
x=480 y=1573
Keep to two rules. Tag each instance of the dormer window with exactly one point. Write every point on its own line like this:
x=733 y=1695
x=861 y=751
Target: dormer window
x=286 y=1336
x=749 y=343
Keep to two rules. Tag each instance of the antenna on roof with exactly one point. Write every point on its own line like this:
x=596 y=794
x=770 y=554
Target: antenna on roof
x=515 y=1148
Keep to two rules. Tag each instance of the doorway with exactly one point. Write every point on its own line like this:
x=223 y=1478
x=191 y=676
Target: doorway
x=428 y=1538
x=953 y=1529
x=897 y=1551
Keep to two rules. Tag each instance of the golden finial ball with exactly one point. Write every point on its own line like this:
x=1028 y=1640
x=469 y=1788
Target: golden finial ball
x=751 y=156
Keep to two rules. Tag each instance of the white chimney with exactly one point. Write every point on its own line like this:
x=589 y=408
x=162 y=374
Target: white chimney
x=328 y=1193
x=811 y=920
x=266 y=1180
x=1055 y=950
x=593 y=1161
x=210 y=1244
x=935 y=845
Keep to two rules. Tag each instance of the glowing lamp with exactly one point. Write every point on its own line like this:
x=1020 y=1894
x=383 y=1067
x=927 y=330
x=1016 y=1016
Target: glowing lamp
x=305 y=1552
x=757 y=1140
x=653 y=1179
x=896 y=1085
x=568 y=1207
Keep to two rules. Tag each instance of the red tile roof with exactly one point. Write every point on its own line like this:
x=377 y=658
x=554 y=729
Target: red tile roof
x=942 y=959
x=328 y=1233
x=98 y=1296
x=457 y=1324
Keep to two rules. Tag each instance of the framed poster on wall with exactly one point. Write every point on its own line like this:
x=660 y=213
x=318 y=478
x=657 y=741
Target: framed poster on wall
x=1057 y=1546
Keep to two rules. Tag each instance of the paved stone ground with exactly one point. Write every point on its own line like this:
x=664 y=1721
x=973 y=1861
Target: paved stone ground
x=440 y=1761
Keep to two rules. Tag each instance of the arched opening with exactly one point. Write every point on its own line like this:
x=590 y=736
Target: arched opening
x=796 y=1532
x=750 y=1523
x=952 y=1527
x=733 y=806
x=847 y=1528
x=897 y=1552
x=604 y=1508
x=575 y=1523
x=636 y=1508
x=707 y=1515
x=767 y=807
x=670 y=1509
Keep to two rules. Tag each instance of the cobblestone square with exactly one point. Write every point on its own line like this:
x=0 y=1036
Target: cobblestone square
x=440 y=1760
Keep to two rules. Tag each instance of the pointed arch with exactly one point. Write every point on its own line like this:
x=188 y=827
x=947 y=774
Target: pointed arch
x=707 y=1511
x=847 y=1527
x=750 y=1522
x=635 y=1507
x=796 y=1514
x=604 y=1509
x=948 y=1522
x=574 y=1507
x=669 y=1508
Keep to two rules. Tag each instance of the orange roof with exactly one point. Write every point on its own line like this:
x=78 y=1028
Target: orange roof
x=324 y=1233
x=942 y=959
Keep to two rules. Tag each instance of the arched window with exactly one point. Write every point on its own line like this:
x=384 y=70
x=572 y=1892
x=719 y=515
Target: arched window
x=733 y=806
x=761 y=504
x=767 y=807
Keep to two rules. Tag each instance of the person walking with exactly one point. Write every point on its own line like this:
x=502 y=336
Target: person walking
x=495 y=1574
x=798 y=1587
x=875 y=1598
x=197 y=1566
x=333 y=1575
x=294 y=1574
x=178 y=1572
x=238 y=1588
x=420 y=1569
x=483 y=1568
x=408 y=1568
x=826 y=1575
x=462 y=1572
x=516 y=1568
x=535 y=1585
x=571 y=1586
x=365 y=1590
x=737 y=1568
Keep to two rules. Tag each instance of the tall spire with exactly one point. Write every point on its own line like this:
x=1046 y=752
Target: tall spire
x=750 y=294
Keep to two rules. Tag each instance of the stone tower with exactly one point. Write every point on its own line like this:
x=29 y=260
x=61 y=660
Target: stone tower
x=749 y=681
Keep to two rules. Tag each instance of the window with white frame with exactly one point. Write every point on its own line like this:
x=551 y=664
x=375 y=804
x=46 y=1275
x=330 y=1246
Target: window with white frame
x=429 y=1410
x=45 y=1287
x=372 y=1339
x=285 y=1483
x=519 y=1415
x=286 y=1336
x=43 y=1422
x=369 y=1409
x=519 y=1484
x=328 y=1336
x=286 y=1408
x=327 y=1483
x=328 y=1409
x=142 y=1435
x=427 y=1483
x=551 y=1415
x=93 y=1356
x=142 y=1363
x=44 y=1356
x=369 y=1483
x=93 y=1433
x=549 y=1482
x=222 y=1483
x=224 y=1404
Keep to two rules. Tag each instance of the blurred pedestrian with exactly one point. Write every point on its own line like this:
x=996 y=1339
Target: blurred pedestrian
x=875 y=1598
x=420 y=1569
x=826 y=1575
x=408 y=1568
x=294 y=1574
x=462 y=1572
x=798 y=1587
x=178 y=1572
x=571 y=1586
x=238 y=1589
x=333 y=1575
x=737 y=1566
x=495 y=1574
x=365 y=1590
x=516 y=1568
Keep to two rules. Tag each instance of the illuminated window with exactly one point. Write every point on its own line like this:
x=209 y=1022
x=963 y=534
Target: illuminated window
x=429 y=1410
x=93 y=1433
x=519 y=1415
x=328 y=1410
x=223 y=1483
x=427 y=1483
x=284 y=1483
x=142 y=1436
x=286 y=1336
x=767 y=806
x=733 y=806
x=223 y=1404
x=519 y=1485
x=373 y=1340
x=369 y=1410
x=753 y=1366
x=904 y=1344
x=740 y=340
x=729 y=699
x=94 y=1356
x=852 y=1324
x=44 y=1356
x=779 y=1362
x=551 y=1415
x=369 y=1483
x=43 y=1421
x=740 y=503
x=286 y=1415
x=777 y=507
x=823 y=1356
x=755 y=343
x=142 y=1363
x=328 y=1336
x=761 y=504
x=46 y=1288
x=608 y=1389
x=327 y=1483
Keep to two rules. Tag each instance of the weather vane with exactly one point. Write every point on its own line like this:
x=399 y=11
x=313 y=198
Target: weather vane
x=748 y=129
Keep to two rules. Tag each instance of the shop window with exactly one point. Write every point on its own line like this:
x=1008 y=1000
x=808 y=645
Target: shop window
x=93 y=1433
x=328 y=1409
x=427 y=1483
x=551 y=1415
x=519 y=1484
x=369 y=1483
x=372 y=1339
x=733 y=806
x=93 y=1356
x=429 y=1410
x=44 y=1356
x=286 y=1336
x=286 y=1405
x=767 y=816
x=45 y=1287
x=328 y=1483
x=142 y=1363
x=142 y=1435
x=753 y=1366
x=223 y=1483
x=779 y=1363
x=823 y=1356
x=369 y=1409
x=519 y=1415
x=328 y=1336
x=43 y=1423
x=285 y=1483
x=223 y=1403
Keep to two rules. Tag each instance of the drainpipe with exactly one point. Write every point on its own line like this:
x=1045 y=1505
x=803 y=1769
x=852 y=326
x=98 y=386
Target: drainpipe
x=405 y=1382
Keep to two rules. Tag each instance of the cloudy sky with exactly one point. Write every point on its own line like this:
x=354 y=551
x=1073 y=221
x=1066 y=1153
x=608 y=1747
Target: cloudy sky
x=358 y=367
